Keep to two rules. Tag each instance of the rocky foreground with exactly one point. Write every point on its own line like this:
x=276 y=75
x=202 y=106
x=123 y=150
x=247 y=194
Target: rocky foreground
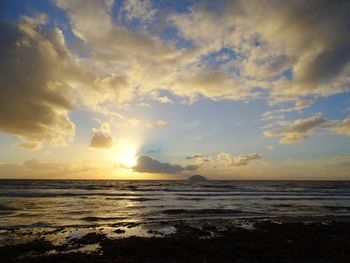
x=206 y=242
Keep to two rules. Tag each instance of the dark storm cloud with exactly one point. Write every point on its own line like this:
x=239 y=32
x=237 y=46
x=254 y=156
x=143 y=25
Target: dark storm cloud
x=146 y=164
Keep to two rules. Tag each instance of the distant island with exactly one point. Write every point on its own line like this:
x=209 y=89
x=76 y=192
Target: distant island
x=197 y=177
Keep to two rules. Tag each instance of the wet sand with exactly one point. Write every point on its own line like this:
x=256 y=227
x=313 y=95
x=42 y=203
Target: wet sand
x=215 y=240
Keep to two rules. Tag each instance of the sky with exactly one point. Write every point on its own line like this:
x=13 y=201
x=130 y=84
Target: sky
x=128 y=89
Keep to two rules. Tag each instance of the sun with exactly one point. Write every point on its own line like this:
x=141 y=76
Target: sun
x=128 y=159
x=126 y=155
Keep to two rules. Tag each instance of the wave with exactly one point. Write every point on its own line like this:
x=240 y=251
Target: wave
x=38 y=224
x=201 y=211
x=277 y=198
x=310 y=207
x=337 y=207
x=4 y=208
x=141 y=199
x=89 y=202
x=34 y=194
x=132 y=196
x=192 y=199
x=96 y=218
x=52 y=187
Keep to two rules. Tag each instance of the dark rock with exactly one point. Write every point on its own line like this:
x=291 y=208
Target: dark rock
x=267 y=242
x=90 y=238
x=119 y=231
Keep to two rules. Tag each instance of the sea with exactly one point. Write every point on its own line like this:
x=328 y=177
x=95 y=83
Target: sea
x=61 y=203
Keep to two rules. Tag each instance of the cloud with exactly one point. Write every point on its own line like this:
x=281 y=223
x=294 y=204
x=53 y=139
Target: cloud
x=234 y=52
x=195 y=156
x=132 y=54
x=302 y=48
x=42 y=82
x=199 y=159
x=165 y=99
x=160 y=65
x=226 y=158
x=341 y=127
x=317 y=56
x=89 y=19
x=28 y=145
x=240 y=160
x=146 y=164
x=161 y=99
x=303 y=103
x=158 y=124
x=299 y=130
x=298 y=105
x=215 y=84
x=135 y=9
x=35 y=100
x=102 y=138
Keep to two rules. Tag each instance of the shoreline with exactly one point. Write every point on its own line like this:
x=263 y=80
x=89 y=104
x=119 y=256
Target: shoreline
x=316 y=239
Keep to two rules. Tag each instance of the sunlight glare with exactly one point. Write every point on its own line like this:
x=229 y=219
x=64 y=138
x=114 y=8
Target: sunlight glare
x=127 y=155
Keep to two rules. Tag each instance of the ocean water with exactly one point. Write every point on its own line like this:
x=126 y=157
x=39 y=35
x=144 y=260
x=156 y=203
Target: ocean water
x=60 y=203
